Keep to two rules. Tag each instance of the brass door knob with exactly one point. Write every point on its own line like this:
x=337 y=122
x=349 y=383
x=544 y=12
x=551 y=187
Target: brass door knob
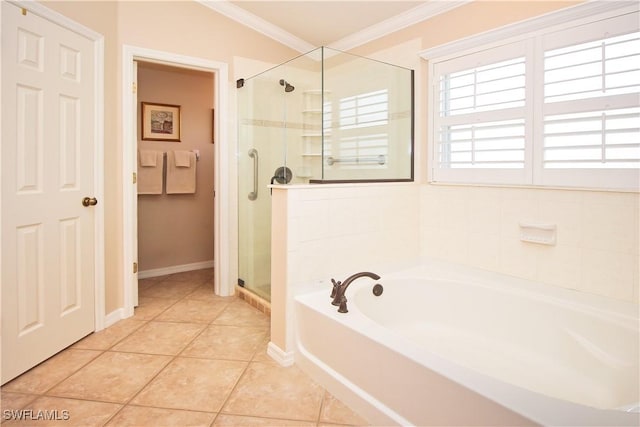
x=89 y=201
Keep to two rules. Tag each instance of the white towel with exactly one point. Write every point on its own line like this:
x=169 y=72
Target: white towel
x=150 y=177
x=147 y=158
x=181 y=180
x=183 y=158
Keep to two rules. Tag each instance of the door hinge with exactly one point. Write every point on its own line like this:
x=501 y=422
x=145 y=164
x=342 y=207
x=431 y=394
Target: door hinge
x=135 y=267
x=24 y=11
x=135 y=177
x=134 y=87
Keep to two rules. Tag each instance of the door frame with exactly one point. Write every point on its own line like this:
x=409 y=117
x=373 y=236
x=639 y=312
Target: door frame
x=223 y=186
x=98 y=136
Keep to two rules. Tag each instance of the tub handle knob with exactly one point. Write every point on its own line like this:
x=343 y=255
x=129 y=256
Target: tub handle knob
x=343 y=305
x=336 y=285
x=378 y=289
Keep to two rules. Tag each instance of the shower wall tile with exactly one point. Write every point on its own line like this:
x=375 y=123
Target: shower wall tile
x=518 y=258
x=560 y=265
x=598 y=235
x=484 y=250
x=334 y=231
x=609 y=273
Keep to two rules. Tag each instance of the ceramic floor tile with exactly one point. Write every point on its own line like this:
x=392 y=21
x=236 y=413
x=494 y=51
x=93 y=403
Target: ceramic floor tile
x=53 y=411
x=226 y=342
x=50 y=372
x=199 y=276
x=335 y=412
x=225 y=420
x=139 y=416
x=149 y=307
x=12 y=401
x=149 y=280
x=261 y=353
x=168 y=289
x=106 y=338
x=160 y=338
x=193 y=310
x=206 y=293
x=240 y=313
x=112 y=377
x=272 y=391
x=188 y=390
x=192 y=384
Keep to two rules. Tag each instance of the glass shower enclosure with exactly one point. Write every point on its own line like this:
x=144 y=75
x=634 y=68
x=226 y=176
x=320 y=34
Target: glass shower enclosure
x=323 y=117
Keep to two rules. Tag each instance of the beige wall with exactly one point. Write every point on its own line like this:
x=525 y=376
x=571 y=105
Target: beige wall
x=177 y=229
x=179 y=27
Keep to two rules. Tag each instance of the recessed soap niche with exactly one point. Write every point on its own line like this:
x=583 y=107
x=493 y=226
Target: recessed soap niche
x=543 y=234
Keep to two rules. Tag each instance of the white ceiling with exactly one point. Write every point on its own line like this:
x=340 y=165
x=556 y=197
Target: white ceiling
x=306 y=24
x=321 y=23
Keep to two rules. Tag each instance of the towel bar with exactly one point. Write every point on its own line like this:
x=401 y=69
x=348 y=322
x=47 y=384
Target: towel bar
x=381 y=160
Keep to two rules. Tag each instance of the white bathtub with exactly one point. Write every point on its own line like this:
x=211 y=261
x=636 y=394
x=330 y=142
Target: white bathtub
x=447 y=347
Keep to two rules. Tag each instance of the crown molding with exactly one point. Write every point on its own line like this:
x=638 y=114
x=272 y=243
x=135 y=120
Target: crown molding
x=258 y=24
x=398 y=22
x=526 y=27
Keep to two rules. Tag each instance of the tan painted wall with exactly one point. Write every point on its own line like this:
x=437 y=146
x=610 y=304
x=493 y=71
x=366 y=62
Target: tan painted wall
x=177 y=229
x=179 y=27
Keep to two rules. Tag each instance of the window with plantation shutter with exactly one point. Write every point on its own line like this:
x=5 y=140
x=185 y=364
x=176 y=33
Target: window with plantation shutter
x=352 y=148
x=559 y=106
x=481 y=116
x=591 y=103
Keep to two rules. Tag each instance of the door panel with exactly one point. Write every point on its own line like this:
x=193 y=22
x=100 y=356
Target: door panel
x=48 y=146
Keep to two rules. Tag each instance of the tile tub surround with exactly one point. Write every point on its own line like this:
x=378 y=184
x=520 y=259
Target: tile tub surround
x=186 y=358
x=598 y=235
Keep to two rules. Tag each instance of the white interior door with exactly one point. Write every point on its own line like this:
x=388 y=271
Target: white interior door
x=48 y=164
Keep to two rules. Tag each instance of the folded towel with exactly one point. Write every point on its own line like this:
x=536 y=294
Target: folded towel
x=147 y=157
x=183 y=158
x=150 y=177
x=181 y=180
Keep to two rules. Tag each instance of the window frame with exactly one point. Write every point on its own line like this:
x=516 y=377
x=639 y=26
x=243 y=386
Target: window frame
x=531 y=34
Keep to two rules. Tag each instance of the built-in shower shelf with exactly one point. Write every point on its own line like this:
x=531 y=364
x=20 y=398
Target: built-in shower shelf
x=312 y=154
x=313 y=111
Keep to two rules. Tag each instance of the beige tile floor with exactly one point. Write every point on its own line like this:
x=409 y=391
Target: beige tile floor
x=186 y=358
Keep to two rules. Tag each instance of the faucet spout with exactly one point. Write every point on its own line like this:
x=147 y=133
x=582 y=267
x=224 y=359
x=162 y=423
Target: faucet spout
x=339 y=295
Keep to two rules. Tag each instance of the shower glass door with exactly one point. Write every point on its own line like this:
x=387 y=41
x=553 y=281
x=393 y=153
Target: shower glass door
x=260 y=146
x=272 y=149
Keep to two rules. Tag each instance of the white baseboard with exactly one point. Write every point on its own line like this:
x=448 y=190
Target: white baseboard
x=175 y=269
x=114 y=316
x=284 y=358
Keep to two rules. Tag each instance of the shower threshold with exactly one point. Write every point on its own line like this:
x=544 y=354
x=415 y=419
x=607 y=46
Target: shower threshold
x=254 y=299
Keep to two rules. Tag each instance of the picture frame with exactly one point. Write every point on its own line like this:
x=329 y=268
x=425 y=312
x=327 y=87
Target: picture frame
x=161 y=122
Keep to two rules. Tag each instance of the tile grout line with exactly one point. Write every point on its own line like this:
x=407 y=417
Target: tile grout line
x=241 y=375
x=324 y=396
x=173 y=358
x=257 y=350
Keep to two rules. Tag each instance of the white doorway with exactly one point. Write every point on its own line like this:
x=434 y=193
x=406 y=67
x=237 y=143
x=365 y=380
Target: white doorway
x=52 y=185
x=222 y=231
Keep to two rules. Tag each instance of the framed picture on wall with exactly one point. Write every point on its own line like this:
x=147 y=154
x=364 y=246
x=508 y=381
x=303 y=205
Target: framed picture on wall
x=160 y=122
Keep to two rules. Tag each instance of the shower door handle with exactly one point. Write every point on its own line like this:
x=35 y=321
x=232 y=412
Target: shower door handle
x=253 y=153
